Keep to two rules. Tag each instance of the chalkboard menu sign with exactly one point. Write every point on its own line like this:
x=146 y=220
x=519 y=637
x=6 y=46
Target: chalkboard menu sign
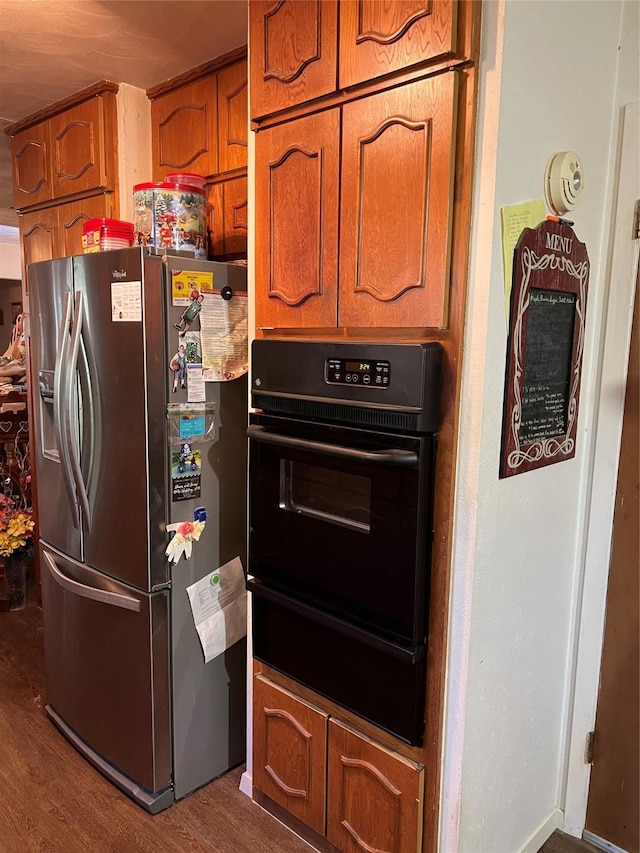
x=544 y=353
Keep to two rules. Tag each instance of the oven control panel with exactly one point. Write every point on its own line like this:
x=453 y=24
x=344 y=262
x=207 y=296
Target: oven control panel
x=350 y=371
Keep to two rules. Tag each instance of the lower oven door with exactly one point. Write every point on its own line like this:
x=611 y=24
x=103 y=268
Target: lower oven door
x=380 y=681
x=341 y=518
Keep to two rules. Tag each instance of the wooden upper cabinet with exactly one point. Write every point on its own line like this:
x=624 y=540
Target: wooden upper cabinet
x=30 y=152
x=378 y=37
x=396 y=204
x=293 y=52
x=374 y=796
x=227 y=218
x=289 y=752
x=235 y=217
x=296 y=250
x=39 y=237
x=215 y=220
x=184 y=130
x=395 y=185
x=56 y=231
x=72 y=217
x=83 y=147
x=73 y=152
x=233 y=117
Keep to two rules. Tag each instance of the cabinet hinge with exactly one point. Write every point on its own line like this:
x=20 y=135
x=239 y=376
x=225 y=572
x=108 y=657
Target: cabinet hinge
x=588 y=747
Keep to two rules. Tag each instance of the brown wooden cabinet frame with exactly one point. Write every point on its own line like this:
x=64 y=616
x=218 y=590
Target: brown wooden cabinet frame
x=451 y=338
x=105 y=146
x=226 y=182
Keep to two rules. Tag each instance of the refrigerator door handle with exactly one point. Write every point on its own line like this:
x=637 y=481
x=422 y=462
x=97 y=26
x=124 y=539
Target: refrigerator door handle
x=91 y=397
x=101 y=595
x=60 y=410
x=71 y=424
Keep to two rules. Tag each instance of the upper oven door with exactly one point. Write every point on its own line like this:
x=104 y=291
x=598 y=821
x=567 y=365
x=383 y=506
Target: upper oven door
x=341 y=518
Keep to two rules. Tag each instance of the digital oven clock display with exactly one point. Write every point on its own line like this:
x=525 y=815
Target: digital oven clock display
x=342 y=371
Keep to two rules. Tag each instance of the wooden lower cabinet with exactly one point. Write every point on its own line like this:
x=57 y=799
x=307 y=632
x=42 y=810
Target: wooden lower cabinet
x=358 y=794
x=374 y=796
x=289 y=752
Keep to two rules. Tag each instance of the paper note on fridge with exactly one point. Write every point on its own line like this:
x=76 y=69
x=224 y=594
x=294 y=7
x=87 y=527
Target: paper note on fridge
x=219 y=607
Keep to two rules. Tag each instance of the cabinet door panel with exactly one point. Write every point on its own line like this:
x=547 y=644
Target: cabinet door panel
x=289 y=752
x=396 y=203
x=297 y=174
x=39 y=238
x=79 y=156
x=233 y=118
x=184 y=130
x=215 y=220
x=235 y=217
x=72 y=217
x=374 y=796
x=293 y=52
x=31 y=167
x=378 y=37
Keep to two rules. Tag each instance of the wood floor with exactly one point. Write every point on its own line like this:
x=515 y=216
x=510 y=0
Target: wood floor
x=562 y=843
x=52 y=800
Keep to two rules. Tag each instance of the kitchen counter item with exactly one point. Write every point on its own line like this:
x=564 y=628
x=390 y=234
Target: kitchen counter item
x=171 y=216
x=102 y=235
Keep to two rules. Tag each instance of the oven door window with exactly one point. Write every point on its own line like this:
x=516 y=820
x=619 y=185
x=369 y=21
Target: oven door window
x=335 y=497
x=347 y=533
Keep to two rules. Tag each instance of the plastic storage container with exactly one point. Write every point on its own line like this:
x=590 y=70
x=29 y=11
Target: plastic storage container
x=190 y=179
x=100 y=235
x=173 y=216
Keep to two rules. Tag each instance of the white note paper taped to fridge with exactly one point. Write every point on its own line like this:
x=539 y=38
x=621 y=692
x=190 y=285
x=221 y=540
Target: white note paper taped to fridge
x=224 y=336
x=219 y=607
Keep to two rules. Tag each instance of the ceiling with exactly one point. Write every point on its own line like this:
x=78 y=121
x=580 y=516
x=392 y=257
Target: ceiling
x=50 y=49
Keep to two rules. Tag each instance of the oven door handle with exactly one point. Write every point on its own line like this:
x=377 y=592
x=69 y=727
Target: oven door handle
x=399 y=458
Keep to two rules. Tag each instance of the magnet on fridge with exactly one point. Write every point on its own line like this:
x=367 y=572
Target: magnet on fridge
x=178 y=366
x=200 y=514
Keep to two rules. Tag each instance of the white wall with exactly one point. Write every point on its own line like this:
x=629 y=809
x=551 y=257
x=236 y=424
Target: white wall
x=10 y=261
x=134 y=144
x=548 y=83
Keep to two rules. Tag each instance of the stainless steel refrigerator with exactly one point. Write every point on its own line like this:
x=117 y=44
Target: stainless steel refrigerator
x=126 y=678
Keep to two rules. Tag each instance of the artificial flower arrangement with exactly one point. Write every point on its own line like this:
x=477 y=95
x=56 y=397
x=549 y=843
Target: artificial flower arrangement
x=16 y=521
x=16 y=526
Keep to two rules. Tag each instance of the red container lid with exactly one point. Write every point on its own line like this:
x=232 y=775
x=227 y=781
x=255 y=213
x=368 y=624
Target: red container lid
x=189 y=178
x=165 y=185
x=112 y=227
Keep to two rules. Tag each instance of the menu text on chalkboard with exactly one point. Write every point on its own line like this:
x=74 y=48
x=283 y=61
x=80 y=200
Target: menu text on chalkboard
x=544 y=356
x=547 y=364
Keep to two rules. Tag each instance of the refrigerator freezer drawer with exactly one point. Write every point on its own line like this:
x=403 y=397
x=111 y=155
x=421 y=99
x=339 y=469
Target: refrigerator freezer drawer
x=107 y=666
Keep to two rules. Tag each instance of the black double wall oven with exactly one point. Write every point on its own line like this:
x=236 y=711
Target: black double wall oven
x=341 y=464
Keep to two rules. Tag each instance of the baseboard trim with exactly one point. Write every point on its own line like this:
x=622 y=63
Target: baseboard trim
x=246 y=785
x=601 y=844
x=546 y=829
